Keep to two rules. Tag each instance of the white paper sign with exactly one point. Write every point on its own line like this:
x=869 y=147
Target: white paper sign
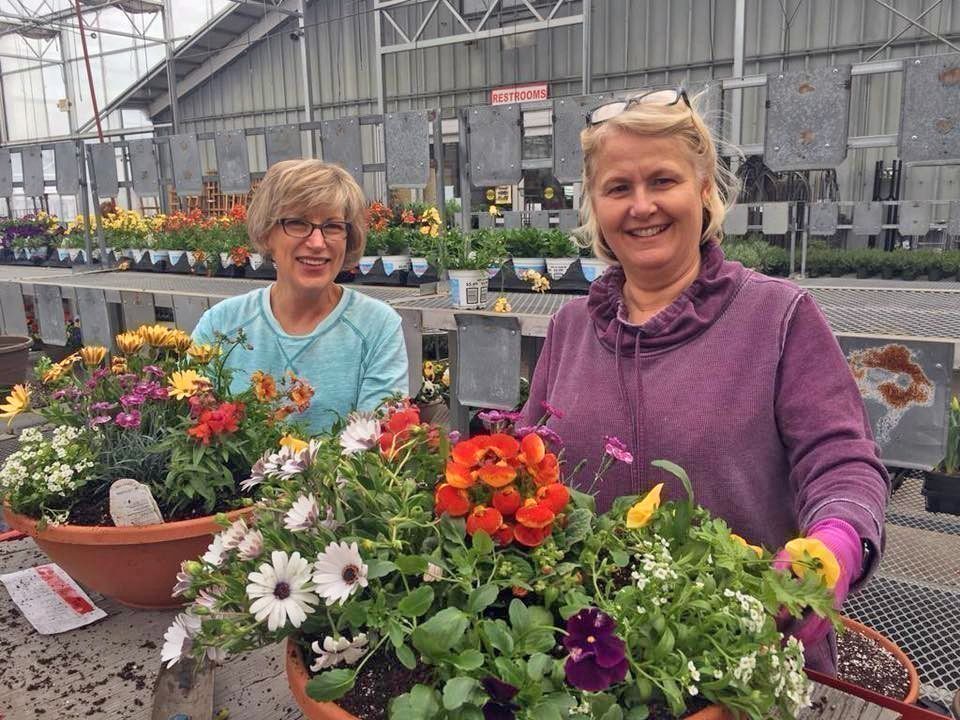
x=132 y=503
x=50 y=600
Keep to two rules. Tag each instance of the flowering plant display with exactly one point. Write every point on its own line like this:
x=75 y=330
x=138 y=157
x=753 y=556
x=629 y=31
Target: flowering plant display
x=159 y=411
x=471 y=576
x=30 y=232
x=436 y=382
x=478 y=250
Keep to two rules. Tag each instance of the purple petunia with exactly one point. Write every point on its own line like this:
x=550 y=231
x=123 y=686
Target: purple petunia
x=499 y=707
x=614 y=447
x=598 y=658
x=128 y=419
x=551 y=410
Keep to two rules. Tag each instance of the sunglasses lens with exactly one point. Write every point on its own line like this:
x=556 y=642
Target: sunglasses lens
x=605 y=112
x=659 y=97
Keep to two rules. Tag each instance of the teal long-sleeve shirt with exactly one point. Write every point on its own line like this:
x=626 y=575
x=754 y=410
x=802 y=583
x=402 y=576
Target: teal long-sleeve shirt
x=353 y=359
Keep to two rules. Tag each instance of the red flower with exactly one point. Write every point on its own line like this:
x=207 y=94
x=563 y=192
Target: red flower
x=484 y=518
x=555 y=496
x=504 y=535
x=222 y=419
x=531 y=537
x=534 y=514
x=547 y=471
x=507 y=500
x=451 y=500
x=398 y=428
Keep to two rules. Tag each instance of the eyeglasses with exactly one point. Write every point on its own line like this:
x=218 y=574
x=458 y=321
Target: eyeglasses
x=649 y=97
x=300 y=229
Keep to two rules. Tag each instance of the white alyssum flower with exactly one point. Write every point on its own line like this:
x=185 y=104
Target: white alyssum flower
x=251 y=546
x=339 y=572
x=303 y=515
x=281 y=590
x=361 y=433
x=333 y=652
x=694 y=673
x=178 y=639
x=433 y=573
x=216 y=552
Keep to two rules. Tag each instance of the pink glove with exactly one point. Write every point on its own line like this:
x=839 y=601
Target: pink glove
x=839 y=537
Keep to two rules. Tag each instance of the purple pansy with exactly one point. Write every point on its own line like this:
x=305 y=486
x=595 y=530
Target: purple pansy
x=614 y=447
x=551 y=410
x=598 y=658
x=128 y=419
x=499 y=707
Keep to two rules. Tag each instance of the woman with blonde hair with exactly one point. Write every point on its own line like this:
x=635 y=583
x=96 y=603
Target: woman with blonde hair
x=685 y=356
x=309 y=217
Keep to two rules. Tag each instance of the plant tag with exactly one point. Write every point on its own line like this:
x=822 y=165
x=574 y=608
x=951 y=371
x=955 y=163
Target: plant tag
x=132 y=503
x=50 y=599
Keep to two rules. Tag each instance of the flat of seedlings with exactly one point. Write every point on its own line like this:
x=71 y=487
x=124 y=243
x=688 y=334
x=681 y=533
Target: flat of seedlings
x=108 y=669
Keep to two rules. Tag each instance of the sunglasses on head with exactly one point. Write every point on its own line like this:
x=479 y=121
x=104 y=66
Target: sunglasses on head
x=666 y=97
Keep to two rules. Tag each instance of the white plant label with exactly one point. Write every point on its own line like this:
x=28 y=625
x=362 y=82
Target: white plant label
x=132 y=503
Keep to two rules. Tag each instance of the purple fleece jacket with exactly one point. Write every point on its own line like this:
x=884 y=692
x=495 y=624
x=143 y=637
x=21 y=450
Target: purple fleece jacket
x=741 y=382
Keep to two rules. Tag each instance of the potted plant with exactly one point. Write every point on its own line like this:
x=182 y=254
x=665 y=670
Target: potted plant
x=559 y=251
x=395 y=249
x=950 y=263
x=31 y=236
x=434 y=392
x=497 y=591
x=421 y=246
x=159 y=412
x=525 y=246
x=941 y=486
x=912 y=264
x=466 y=260
x=891 y=264
x=14 y=356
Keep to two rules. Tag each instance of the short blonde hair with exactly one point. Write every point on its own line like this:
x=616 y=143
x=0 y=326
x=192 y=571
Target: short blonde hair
x=296 y=188
x=675 y=120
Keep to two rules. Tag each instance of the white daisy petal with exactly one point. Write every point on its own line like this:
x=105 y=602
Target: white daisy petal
x=339 y=572
x=281 y=590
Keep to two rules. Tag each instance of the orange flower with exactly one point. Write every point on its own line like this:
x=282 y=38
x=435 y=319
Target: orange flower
x=532 y=449
x=484 y=518
x=264 y=386
x=300 y=393
x=504 y=534
x=554 y=496
x=451 y=500
x=459 y=475
x=507 y=500
x=534 y=514
x=547 y=471
x=497 y=475
x=531 y=537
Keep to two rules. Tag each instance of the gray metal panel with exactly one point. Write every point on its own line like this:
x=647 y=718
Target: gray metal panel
x=569 y=219
x=407 y=144
x=283 y=143
x=187 y=311
x=31 y=161
x=488 y=357
x=12 y=312
x=912 y=430
x=137 y=308
x=485 y=220
x=67 y=168
x=512 y=219
x=104 y=160
x=953 y=222
x=233 y=167
x=49 y=306
x=6 y=173
x=776 y=218
x=143 y=166
x=709 y=103
x=867 y=218
x=569 y=118
x=915 y=217
x=342 y=144
x=94 y=317
x=807 y=116
x=735 y=221
x=540 y=219
x=187 y=171
x=929 y=119
x=823 y=218
x=412 y=325
x=495 y=145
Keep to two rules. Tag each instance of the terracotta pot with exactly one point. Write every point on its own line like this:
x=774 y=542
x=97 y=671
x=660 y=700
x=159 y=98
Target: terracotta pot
x=14 y=356
x=297 y=677
x=136 y=566
x=887 y=644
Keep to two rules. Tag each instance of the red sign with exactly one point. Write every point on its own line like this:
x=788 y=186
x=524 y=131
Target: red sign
x=519 y=94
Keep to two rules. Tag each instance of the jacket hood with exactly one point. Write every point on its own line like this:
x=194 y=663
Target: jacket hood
x=690 y=314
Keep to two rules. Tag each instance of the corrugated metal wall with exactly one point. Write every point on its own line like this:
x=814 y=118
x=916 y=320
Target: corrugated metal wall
x=634 y=43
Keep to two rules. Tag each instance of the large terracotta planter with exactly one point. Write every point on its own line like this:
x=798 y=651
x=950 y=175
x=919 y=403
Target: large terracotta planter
x=297 y=677
x=887 y=644
x=136 y=566
x=14 y=358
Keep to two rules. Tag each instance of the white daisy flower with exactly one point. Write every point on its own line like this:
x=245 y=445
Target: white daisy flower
x=183 y=581
x=207 y=599
x=215 y=552
x=303 y=515
x=334 y=652
x=281 y=590
x=251 y=546
x=340 y=571
x=257 y=475
x=234 y=534
x=178 y=639
x=330 y=521
x=361 y=433
x=433 y=573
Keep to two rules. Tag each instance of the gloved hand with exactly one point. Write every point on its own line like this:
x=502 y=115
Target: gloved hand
x=837 y=545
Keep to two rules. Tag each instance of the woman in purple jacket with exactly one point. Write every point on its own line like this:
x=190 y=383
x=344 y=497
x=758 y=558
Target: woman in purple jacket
x=688 y=357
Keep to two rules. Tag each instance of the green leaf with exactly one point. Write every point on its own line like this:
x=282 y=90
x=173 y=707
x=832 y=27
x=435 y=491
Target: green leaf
x=440 y=633
x=457 y=690
x=538 y=640
x=425 y=698
x=481 y=598
x=469 y=659
x=640 y=712
x=497 y=634
x=664 y=646
x=482 y=543
x=509 y=672
x=538 y=665
x=406 y=657
x=677 y=471
x=620 y=558
x=355 y=613
x=613 y=713
x=578 y=525
x=539 y=616
x=379 y=568
x=395 y=632
x=453 y=529
x=519 y=617
x=412 y=564
x=331 y=685
x=416 y=603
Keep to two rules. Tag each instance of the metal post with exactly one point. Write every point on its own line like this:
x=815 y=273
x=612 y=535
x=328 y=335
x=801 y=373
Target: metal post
x=307 y=75
x=170 y=65
x=587 y=56
x=68 y=88
x=438 y=159
x=85 y=204
x=378 y=64
x=96 y=209
x=736 y=99
x=463 y=156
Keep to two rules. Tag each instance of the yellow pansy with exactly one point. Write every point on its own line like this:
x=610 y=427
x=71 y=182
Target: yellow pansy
x=186 y=383
x=639 y=515
x=93 y=355
x=18 y=401
x=203 y=353
x=802 y=550
x=428 y=369
x=129 y=342
x=756 y=548
x=294 y=443
x=502 y=305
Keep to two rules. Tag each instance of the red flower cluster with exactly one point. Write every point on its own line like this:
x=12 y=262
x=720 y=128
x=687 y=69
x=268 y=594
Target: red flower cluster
x=401 y=420
x=217 y=420
x=378 y=216
x=509 y=489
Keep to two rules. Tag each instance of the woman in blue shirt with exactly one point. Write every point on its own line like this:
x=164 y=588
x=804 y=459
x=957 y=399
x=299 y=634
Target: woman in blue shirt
x=310 y=217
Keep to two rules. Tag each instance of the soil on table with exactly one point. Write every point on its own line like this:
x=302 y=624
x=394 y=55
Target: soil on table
x=864 y=662
x=381 y=678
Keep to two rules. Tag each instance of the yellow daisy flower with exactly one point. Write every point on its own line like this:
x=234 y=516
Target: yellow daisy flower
x=203 y=354
x=93 y=355
x=186 y=383
x=18 y=401
x=156 y=336
x=179 y=341
x=129 y=342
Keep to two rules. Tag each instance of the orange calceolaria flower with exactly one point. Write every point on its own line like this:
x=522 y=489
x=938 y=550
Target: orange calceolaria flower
x=554 y=496
x=533 y=450
x=531 y=537
x=547 y=471
x=484 y=518
x=459 y=475
x=451 y=500
x=535 y=514
x=504 y=534
x=507 y=500
x=264 y=386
